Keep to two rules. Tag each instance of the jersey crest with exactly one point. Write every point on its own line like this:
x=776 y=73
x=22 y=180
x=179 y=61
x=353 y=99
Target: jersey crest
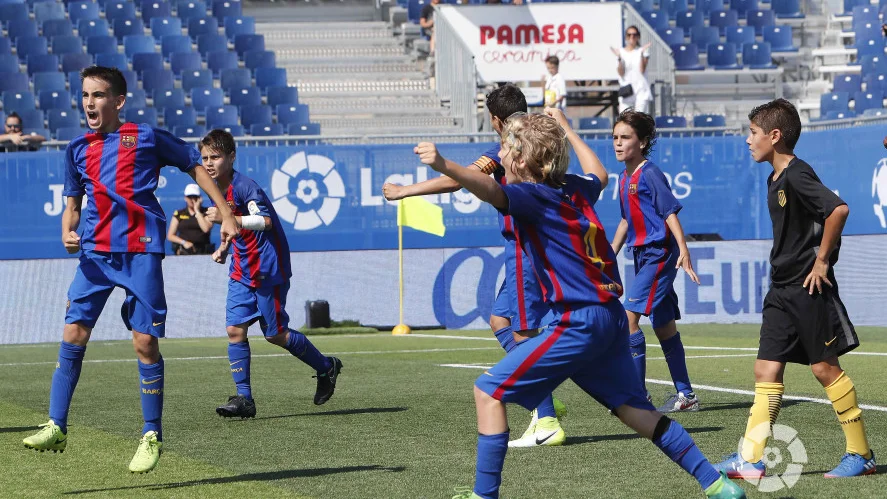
x=632 y=188
x=128 y=141
x=780 y=196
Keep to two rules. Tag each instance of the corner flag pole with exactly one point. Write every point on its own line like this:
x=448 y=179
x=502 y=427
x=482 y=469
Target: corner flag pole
x=401 y=328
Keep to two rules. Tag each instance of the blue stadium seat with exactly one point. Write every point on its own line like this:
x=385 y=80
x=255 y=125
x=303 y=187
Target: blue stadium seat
x=31 y=118
x=138 y=44
x=875 y=112
x=103 y=44
x=17 y=82
x=246 y=43
x=239 y=26
x=152 y=9
x=850 y=4
x=865 y=14
x=234 y=130
x=757 y=56
x=706 y=6
x=207 y=97
x=657 y=20
x=686 y=57
x=642 y=5
x=120 y=11
x=146 y=115
x=235 y=78
x=169 y=98
x=290 y=114
x=37 y=131
x=165 y=26
x=189 y=131
x=867 y=100
x=303 y=129
x=175 y=44
x=245 y=97
x=69 y=133
x=57 y=27
x=743 y=6
x=221 y=116
x=93 y=27
x=227 y=8
x=22 y=28
x=83 y=10
x=870 y=48
x=54 y=99
x=112 y=60
x=9 y=64
x=270 y=77
x=192 y=10
x=703 y=36
x=45 y=11
x=127 y=27
x=5 y=46
x=672 y=7
x=787 y=9
x=709 y=121
x=779 y=38
x=76 y=88
x=414 y=10
x=839 y=115
x=256 y=59
x=282 y=95
x=179 y=116
x=671 y=122
x=211 y=43
x=723 y=18
x=760 y=18
x=594 y=123
x=51 y=80
x=196 y=78
x=203 y=26
x=875 y=83
x=30 y=45
x=147 y=61
x=132 y=79
x=867 y=31
x=689 y=19
x=67 y=44
x=182 y=62
x=253 y=115
x=18 y=101
x=16 y=12
x=834 y=101
x=873 y=65
x=672 y=36
x=722 y=56
x=220 y=60
x=850 y=83
x=42 y=62
x=266 y=129
x=740 y=35
x=76 y=62
x=158 y=80
x=136 y=98
x=59 y=118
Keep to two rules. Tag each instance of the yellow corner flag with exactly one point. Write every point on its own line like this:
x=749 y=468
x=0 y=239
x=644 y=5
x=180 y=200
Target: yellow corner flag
x=421 y=215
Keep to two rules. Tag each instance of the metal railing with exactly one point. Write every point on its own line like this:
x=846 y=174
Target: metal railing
x=818 y=126
x=660 y=68
x=455 y=72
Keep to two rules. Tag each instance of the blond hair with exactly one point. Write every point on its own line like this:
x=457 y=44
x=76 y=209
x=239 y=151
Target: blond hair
x=542 y=144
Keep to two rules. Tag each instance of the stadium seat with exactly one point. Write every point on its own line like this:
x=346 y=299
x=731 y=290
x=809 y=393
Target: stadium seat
x=721 y=19
x=93 y=27
x=657 y=20
x=45 y=11
x=127 y=27
x=175 y=44
x=282 y=95
x=18 y=101
x=414 y=10
x=32 y=118
x=672 y=36
x=102 y=44
x=595 y=123
x=147 y=116
x=5 y=46
x=873 y=65
x=303 y=129
x=22 y=28
x=169 y=98
x=226 y=8
x=875 y=112
x=722 y=56
x=217 y=117
x=165 y=26
x=743 y=6
x=37 y=131
x=59 y=118
x=703 y=36
x=83 y=10
x=136 y=98
x=787 y=9
x=245 y=97
x=839 y=115
x=270 y=77
x=253 y=115
x=192 y=10
x=865 y=13
x=51 y=80
x=642 y=5
x=76 y=62
x=153 y=9
x=672 y=7
x=864 y=32
x=757 y=56
x=189 y=131
x=834 y=101
x=42 y=62
x=138 y=44
x=17 y=12
x=207 y=97
x=179 y=116
x=709 y=121
x=870 y=48
x=255 y=59
x=112 y=61
x=850 y=83
x=247 y=43
x=76 y=88
x=234 y=130
x=192 y=79
x=235 y=78
x=161 y=79
x=690 y=19
x=671 y=122
x=221 y=60
x=706 y=6
x=867 y=100
x=740 y=35
x=239 y=26
x=57 y=27
x=779 y=38
x=266 y=129
x=17 y=82
x=69 y=133
x=54 y=99
x=850 y=4
x=9 y=64
x=290 y=114
x=67 y=44
x=27 y=46
x=147 y=61
x=182 y=62
x=760 y=18
x=203 y=26
x=686 y=57
x=211 y=43
x=875 y=83
x=132 y=79
x=120 y=11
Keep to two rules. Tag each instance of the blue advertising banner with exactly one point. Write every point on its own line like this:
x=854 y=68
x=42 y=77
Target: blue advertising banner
x=330 y=197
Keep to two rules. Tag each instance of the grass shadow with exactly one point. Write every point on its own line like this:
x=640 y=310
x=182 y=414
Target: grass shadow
x=248 y=477
x=742 y=405
x=629 y=436
x=339 y=412
x=17 y=429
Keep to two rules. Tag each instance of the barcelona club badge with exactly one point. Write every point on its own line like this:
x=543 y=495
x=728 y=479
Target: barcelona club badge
x=632 y=188
x=780 y=195
x=128 y=141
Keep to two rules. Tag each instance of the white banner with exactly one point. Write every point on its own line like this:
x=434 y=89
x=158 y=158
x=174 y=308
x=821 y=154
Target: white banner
x=510 y=43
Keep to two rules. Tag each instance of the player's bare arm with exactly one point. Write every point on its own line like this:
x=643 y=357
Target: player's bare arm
x=684 y=260
x=229 y=225
x=620 y=236
x=439 y=185
x=478 y=183
x=588 y=160
x=831 y=231
x=70 y=222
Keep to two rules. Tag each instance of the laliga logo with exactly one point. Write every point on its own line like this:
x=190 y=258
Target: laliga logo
x=307 y=191
x=784 y=452
x=879 y=191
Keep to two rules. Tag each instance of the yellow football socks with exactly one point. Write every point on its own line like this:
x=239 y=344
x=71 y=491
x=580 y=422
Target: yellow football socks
x=768 y=402
x=842 y=393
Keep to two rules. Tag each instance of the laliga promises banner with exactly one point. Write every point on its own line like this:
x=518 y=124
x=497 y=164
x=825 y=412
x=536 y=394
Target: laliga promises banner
x=511 y=43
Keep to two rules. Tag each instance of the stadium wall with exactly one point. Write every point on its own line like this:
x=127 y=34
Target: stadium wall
x=450 y=287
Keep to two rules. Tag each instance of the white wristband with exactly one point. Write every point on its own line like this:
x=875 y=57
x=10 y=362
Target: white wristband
x=253 y=222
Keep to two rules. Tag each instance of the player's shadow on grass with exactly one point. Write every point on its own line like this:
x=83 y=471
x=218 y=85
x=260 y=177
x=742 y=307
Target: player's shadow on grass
x=715 y=406
x=249 y=477
x=630 y=436
x=16 y=429
x=339 y=412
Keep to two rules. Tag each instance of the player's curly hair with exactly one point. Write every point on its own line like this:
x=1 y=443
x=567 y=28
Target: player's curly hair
x=542 y=144
x=644 y=127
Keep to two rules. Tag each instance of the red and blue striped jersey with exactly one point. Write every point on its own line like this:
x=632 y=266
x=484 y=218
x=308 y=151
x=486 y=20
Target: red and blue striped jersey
x=258 y=258
x=119 y=172
x=646 y=200
x=565 y=240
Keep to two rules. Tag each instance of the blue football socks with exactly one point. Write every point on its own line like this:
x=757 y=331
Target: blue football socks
x=298 y=345
x=239 y=360
x=638 y=347
x=506 y=338
x=673 y=349
x=546 y=408
x=491 y=451
x=677 y=444
x=151 y=387
x=64 y=381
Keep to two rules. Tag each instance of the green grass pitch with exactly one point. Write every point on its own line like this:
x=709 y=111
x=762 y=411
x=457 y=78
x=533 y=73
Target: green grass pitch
x=401 y=425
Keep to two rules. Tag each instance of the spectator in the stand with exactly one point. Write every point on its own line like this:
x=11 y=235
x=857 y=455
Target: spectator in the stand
x=189 y=227
x=555 y=87
x=14 y=140
x=426 y=21
x=634 y=89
